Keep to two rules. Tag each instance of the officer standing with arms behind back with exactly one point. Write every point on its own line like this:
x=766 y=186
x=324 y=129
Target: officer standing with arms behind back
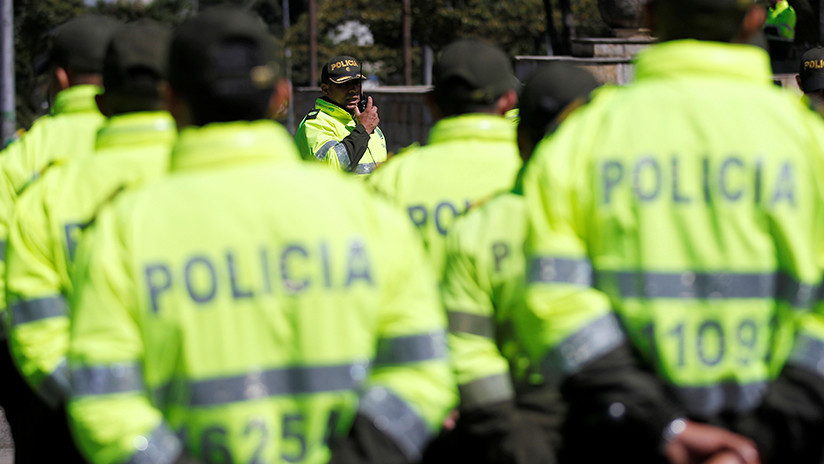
x=132 y=147
x=342 y=131
x=250 y=307
x=675 y=253
x=68 y=131
x=482 y=285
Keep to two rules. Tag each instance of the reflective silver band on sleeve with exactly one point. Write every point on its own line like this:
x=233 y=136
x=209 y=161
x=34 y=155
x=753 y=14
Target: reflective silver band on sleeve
x=588 y=343
x=473 y=324
x=55 y=388
x=716 y=285
x=107 y=380
x=286 y=381
x=709 y=401
x=547 y=269
x=412 y=348
x=323 y=152
x=808 y=353
x=343 y=156
x=365 y=168
x=486 y=390
x=161 y=446
x=394 y=417
x=26 y=311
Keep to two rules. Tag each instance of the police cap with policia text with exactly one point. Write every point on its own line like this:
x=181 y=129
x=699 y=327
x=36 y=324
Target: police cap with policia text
x=223 y=51
x=135 y=60
x=811 y=70
x=484 y=68
x=80 y=43
x=341 y=69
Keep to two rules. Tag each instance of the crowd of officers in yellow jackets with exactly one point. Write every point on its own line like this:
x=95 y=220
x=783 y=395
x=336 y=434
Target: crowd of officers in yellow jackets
x=608 y=274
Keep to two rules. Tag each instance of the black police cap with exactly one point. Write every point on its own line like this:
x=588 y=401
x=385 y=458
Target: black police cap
x=222 y=51
x=135 y=59
x=811 y=70
x=482 y=66
x=341 y=69
x=549 y=90
x=80 y=43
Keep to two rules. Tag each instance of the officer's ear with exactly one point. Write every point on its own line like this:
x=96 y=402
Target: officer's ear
x=798 y=80
x=280 y=99
x=61 y=76
x=506 y=102
x=324 y=88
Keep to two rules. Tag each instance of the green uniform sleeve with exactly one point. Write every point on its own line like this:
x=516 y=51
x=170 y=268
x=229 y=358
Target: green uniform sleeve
x=481 y=370
x=110 y=411
x=38 y=316
x=411 y=388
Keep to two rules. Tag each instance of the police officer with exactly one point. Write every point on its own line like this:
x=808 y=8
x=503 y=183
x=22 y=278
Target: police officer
x=810 y=77
x=68 y=130
x=781 y=19
x=131 y=147
x=342 y=131
x=214 y=314
x=675 y=225
x=471 y=152
x=483 y=282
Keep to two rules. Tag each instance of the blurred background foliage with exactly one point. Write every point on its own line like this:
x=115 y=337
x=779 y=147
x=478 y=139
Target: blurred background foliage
x=518 y=26
x=369 y=30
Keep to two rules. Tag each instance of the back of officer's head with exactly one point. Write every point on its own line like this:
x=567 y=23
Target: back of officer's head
x=223 y=63
x=134 y=67
x=549 y=94
x=79 y=45
x=470 y=76
x=711 y=20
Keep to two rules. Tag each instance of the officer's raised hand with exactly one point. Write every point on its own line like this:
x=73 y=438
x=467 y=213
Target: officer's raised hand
x=369 y=116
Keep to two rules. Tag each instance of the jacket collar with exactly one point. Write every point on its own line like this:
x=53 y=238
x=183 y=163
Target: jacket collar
x=135 y=129
x=232 y=143
x=334 y=110
x=695 y=58
x=77 y=99
x=476 y=126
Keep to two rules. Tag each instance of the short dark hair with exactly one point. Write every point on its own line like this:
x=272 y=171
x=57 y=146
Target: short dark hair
x=709 y=20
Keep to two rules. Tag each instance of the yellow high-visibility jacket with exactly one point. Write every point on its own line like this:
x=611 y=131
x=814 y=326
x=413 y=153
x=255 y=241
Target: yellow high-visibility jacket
x=130 y=149
x=246 y=307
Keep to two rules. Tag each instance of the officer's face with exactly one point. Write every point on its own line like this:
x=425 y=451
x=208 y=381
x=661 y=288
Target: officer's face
x=345 y=95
